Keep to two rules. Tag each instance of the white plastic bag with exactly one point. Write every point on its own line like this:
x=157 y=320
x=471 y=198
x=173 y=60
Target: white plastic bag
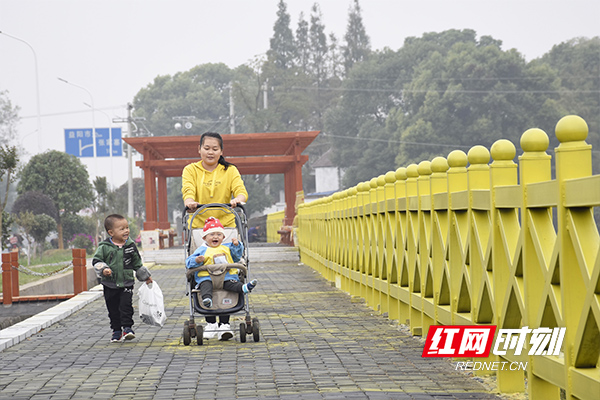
x=151 y=305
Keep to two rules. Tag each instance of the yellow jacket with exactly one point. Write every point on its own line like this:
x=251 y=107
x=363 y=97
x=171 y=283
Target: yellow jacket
x=217 y=186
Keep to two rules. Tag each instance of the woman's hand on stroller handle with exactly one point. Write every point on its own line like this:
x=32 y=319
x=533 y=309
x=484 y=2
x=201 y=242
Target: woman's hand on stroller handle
x=193 y=206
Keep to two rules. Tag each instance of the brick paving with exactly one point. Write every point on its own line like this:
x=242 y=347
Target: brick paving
x=315 y=344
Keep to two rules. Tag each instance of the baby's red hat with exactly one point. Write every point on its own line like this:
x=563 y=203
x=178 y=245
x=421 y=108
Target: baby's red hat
x=212 y=225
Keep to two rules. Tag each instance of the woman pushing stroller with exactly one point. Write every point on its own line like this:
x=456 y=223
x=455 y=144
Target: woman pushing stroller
x=214 y=180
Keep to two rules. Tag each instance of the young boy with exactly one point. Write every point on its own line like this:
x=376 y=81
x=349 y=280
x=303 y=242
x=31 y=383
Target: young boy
x=116 y=260
x=214 y=251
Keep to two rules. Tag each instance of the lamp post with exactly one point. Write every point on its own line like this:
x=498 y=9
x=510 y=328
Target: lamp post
x=93 y=118
x=37 y=88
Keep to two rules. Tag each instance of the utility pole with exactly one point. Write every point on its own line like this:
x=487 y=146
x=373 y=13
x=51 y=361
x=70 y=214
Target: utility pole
x=130 y=129
x=231 y=110
x=129 y=166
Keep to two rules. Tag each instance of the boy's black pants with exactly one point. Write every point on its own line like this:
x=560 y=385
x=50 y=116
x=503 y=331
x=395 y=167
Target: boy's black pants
x=119 y=303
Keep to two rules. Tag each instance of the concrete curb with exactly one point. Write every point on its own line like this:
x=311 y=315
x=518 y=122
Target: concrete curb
x=17 y=333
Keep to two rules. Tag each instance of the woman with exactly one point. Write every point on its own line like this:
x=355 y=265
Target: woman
x=212 y=180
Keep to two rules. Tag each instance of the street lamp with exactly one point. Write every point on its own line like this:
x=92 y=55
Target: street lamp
x=186 y=119
x=37 y=89
x=93 y=118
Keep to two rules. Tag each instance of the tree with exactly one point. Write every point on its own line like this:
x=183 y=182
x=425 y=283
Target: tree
x=75 y=224
x=472 y=93
x=101 y=204
x=35 y=202
x=576 y=64
x=121 y=202
x=9 y=118
x=435 y=94
x=302 y=44
x=9 y=157
x=7 y=221
x=258 y=199
x=61 y=177
x=9 y=161
x=318 y=46
x=357 y=43
x=202 y=93
x=356 y=125
x=36 y=228
x=282 y=51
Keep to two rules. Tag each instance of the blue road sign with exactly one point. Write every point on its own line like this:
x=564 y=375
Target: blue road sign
x=79 y=142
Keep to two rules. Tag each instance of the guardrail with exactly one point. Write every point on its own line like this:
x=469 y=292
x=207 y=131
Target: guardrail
x=10 y=278
x=459 y=241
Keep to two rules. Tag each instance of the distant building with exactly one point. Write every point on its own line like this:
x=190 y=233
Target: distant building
x=328 y=178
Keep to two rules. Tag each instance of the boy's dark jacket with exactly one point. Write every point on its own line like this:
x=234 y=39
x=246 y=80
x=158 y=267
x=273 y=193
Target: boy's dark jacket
x=123 y=262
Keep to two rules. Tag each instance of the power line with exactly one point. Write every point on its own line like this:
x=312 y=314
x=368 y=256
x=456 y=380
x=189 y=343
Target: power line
x=396 y=141
x=73 y=112
x=392 y=90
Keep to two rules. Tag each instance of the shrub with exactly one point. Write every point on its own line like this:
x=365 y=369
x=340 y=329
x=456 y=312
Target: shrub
x=83 y=241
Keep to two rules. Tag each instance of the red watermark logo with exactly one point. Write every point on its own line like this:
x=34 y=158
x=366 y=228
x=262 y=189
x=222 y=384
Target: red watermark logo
x=459 y=341
x=477 y=340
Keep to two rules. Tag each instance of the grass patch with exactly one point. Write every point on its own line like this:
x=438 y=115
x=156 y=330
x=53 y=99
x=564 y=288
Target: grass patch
x=61 y=258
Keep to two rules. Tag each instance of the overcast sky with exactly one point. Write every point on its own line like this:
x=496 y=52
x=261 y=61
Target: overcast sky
x=113 y=48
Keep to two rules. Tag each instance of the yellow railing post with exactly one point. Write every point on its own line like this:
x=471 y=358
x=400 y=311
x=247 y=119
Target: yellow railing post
x=439 y=235
x=401 y=290
x=363 y=241
x=506 y=245
x=379 y=266
x=539 y=255
x=479 y=235
x=458 y=203
x=579 y=260
x=412 y=252
x=389 y=235
x=480 y=240
x=352 y=250
x=428 y=312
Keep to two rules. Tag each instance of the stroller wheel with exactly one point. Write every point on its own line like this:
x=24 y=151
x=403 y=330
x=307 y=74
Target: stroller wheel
x=243 y=332
x=199 y=334
x=255 y=329
x=187 y=338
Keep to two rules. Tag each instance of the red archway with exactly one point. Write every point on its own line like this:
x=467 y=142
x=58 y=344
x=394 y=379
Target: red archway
x=252 y=153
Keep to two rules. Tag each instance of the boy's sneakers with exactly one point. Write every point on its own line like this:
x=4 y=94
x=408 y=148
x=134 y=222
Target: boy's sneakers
x=225 y=332
x=128 y=334
x=207 y=302
x=247 y=288
x=210 y=331
x=116 y=337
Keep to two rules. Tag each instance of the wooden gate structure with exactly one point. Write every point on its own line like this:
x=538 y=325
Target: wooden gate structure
x=252 y=153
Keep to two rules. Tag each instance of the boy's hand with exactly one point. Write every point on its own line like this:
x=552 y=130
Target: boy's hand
x=234 y=241
x=199 y=259
x=107 y=272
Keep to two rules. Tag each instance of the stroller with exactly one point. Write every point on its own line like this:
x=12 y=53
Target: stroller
x=225 y=303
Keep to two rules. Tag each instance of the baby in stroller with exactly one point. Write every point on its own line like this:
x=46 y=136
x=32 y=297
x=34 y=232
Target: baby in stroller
x=214 y=251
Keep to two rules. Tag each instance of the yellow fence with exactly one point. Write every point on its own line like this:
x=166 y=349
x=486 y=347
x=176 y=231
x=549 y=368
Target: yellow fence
x=462 y=241
x=274 y=223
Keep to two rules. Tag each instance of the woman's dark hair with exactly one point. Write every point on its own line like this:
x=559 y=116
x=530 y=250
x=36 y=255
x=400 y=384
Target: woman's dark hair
x=220 y=139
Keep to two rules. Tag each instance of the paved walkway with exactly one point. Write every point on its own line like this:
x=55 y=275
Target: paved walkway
x=315 y=344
